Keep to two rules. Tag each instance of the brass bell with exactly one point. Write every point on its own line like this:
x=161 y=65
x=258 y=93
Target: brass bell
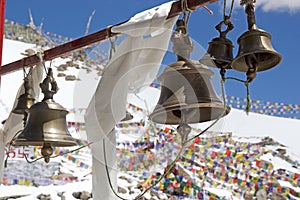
x=219 y=52
x=26 y=100
x=255 y=48
x=46 y=124
x=187 y=95
x=256 y=43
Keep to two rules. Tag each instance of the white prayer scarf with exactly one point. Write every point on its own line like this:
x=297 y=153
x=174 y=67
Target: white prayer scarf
x=133 y=66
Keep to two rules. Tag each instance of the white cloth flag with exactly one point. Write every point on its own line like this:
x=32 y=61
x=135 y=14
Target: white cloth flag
x=14 y=122
x=133 y=66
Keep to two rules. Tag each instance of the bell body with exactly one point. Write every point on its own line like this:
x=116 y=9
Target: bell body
x=258 y=43
x=46 y=124
x=25 y=101
x=187 y=95
x=220 y=53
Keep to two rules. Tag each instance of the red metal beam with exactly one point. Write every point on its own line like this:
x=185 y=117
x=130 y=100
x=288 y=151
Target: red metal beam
x=2 y=19
x=88 y=40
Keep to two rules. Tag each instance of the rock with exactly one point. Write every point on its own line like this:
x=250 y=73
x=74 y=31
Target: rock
x=61 y=195
x=122 y=190
x=84 y=195
x=70 y=78
x=44 y=197
x=61 y=75
x=28 y=52
x=261 y=195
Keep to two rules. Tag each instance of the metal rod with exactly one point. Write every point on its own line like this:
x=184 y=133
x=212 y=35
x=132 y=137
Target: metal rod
x=88 y=40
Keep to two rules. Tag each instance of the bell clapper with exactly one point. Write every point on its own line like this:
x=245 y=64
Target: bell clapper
x=222 y=73
x=183 y=128
x=46 y=152
x=251 y=62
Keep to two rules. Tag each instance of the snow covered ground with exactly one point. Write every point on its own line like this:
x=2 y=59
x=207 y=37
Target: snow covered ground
x=246 y=129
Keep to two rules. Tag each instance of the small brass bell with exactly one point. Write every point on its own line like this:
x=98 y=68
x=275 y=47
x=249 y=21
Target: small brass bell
x=219 y=53
x=255 y=49
x=26 y=100
x=46 y=124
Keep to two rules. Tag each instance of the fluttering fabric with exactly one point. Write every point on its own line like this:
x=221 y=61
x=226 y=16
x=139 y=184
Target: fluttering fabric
x=14 y=122
x=133 y=66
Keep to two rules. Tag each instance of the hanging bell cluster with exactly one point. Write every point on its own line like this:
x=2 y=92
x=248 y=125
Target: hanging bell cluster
x=187 y=93
x=255 y=49
x=46 y=123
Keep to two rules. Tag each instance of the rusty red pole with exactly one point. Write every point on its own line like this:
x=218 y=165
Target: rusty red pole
x=2 y=19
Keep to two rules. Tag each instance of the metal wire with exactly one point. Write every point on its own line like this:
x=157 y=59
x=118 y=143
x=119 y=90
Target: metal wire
x=224 y=9
x=182 y=149
x=32 y=161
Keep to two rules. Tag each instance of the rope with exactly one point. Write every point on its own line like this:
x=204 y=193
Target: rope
x=231 y=9
x=40 y=55
x=224 y=9
x=9 y=146
x=112 y=49
x=150 y=187
x=186 y=17
x=248 y=106
x=246 y=83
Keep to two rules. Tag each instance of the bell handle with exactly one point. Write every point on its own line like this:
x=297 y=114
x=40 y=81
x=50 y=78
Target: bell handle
x=48 y=82
x=227 y=23
x=249 y=10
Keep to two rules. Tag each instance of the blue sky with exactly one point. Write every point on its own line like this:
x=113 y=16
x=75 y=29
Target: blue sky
x=280 y=18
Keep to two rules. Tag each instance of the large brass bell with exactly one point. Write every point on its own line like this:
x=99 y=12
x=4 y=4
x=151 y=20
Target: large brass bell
x=255 y=48
x=25 y=100
x=46 y=124
x=187 y=94
x=219 y=52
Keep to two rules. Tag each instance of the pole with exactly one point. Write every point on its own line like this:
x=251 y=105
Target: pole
x=2 y=19
x=88 y=40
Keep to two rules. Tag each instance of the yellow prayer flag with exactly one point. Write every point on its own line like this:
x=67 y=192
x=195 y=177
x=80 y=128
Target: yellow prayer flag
x=28 y=182
x=186 y=190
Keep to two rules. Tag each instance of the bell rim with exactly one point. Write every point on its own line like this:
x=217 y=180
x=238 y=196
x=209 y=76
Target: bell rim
x=243 y=69
x=211 y=62
x=53 y=143
x=195 y=105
